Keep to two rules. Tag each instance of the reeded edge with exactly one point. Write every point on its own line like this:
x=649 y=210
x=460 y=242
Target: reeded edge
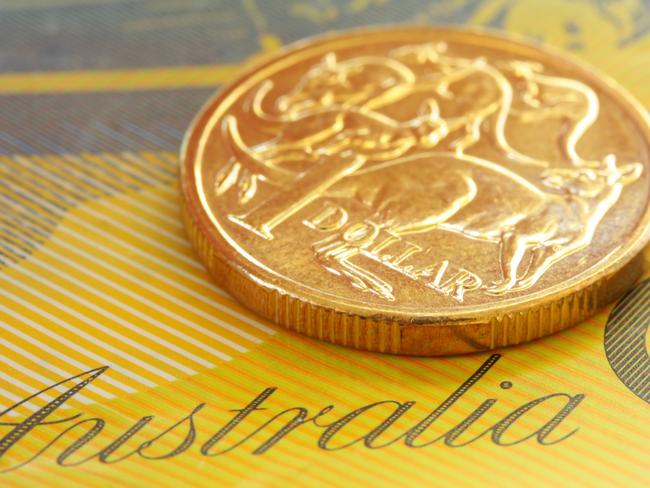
x=383 y=334
x=461 y=315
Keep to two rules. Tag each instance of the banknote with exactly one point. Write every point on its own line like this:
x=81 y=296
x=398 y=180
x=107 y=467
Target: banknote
x=122 y=364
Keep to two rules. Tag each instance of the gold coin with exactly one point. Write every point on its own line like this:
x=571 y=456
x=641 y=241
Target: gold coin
x=420 y=190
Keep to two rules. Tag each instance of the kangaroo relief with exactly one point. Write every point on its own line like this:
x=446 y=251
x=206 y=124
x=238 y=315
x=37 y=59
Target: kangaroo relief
x=374 y=153
x=533 y=227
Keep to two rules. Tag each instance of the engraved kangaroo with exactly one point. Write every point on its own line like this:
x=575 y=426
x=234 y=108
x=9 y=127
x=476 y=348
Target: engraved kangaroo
x=533 y=226
x=407 y=135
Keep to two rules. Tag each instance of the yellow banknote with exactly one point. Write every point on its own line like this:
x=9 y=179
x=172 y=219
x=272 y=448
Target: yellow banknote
x=121 y=364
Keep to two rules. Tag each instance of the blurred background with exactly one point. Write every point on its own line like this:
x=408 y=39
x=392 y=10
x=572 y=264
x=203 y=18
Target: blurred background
x=111 y=75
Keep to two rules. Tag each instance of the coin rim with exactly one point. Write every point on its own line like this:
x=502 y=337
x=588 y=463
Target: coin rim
x=230 y=255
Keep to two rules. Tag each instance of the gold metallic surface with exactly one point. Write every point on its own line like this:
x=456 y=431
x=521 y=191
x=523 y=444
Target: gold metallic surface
x=419 y=190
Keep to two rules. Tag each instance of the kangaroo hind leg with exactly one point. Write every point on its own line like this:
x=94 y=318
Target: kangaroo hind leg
x=512 y=250
x=545 y=257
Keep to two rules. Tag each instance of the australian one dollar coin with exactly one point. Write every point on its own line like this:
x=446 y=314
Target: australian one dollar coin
x=420 y=190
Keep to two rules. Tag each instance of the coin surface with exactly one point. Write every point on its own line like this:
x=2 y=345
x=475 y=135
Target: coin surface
x=420 y=190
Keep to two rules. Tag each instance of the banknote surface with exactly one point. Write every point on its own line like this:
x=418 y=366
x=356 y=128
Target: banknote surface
x=121 y=364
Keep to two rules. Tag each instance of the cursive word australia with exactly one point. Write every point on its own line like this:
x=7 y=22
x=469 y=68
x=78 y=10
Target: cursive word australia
x=257 y=427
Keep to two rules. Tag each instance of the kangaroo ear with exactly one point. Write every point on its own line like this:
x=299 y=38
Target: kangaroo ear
x=630 y=172
x=553 y=178
x=329 y=61
x=441 y=47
